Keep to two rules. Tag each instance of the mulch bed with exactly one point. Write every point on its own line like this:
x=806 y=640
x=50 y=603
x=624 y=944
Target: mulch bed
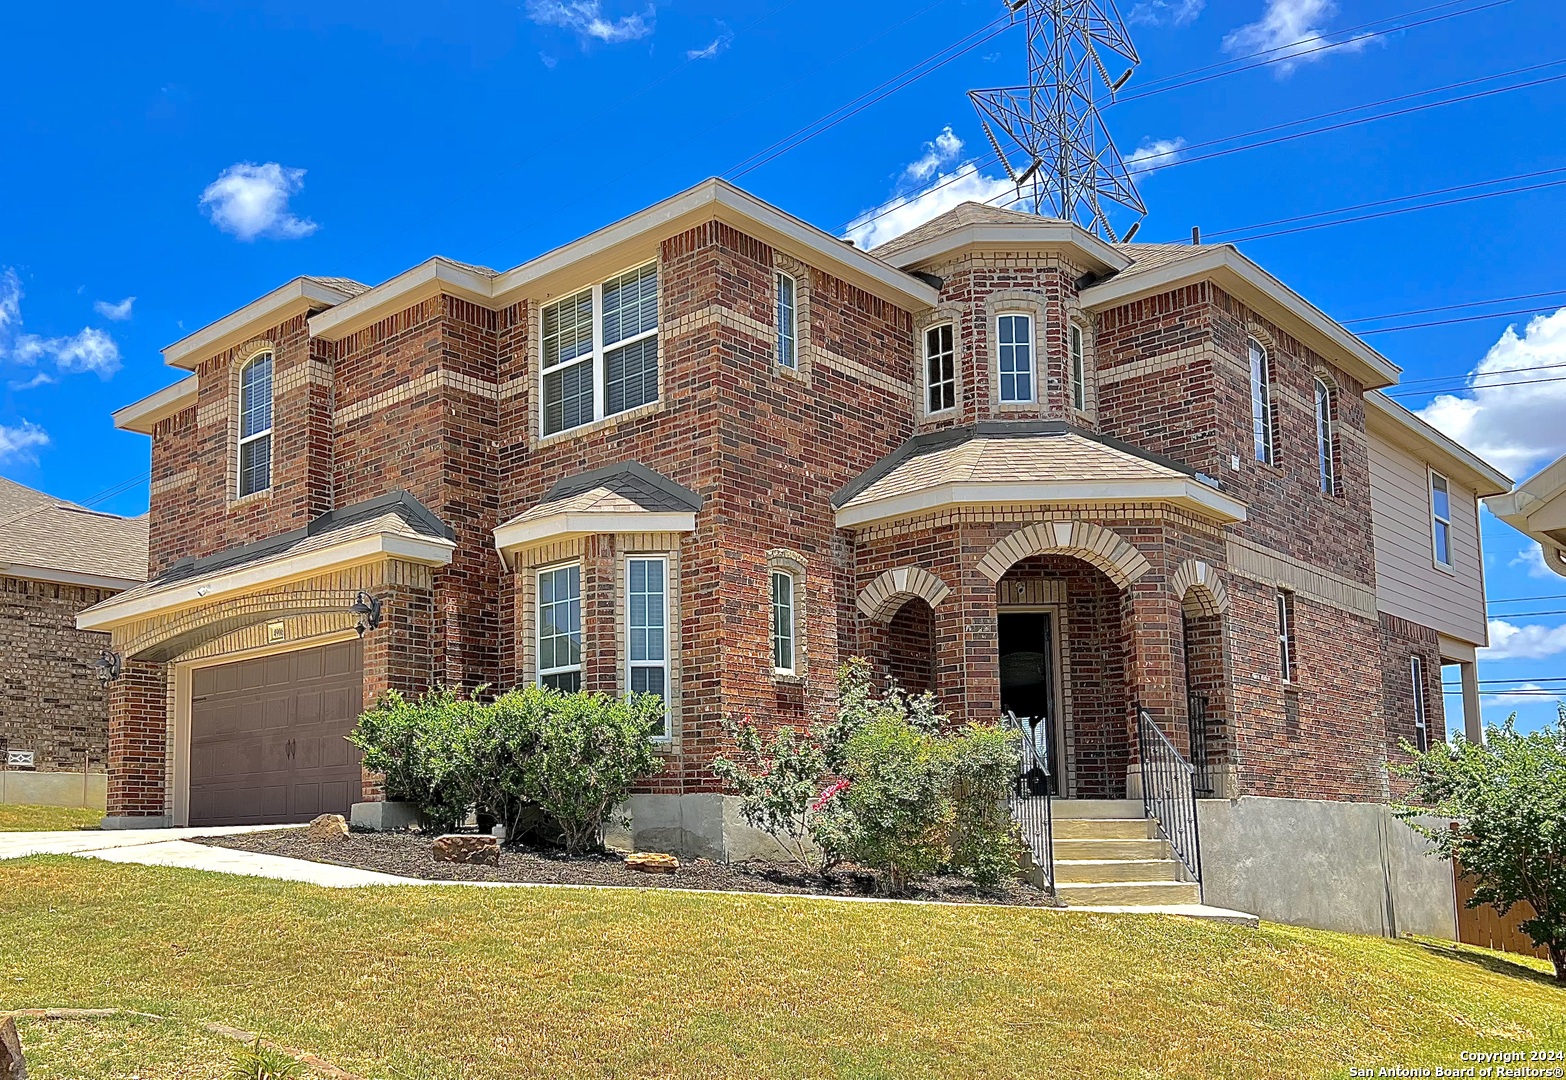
x=408 y=855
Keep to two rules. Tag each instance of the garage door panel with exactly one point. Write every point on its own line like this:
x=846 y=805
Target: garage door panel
x=267 y=740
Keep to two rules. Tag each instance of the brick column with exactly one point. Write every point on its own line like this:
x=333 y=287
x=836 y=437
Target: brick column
x=398 y=654
x=1157 y=660
x=601 y=593
x=967 y=658
x=138 y=747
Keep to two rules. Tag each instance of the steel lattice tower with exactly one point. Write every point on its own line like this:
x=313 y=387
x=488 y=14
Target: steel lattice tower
x=1069 y=165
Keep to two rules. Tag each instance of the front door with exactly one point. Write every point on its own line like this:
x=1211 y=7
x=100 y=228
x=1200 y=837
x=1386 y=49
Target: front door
x=1027 y=685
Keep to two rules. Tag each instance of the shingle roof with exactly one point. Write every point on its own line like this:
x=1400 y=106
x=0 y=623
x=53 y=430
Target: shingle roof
x=342 y=284
x=627 y=487
x=958 y=217
x=38 y=530
x=397 y=514
x=993 y=454
x=1150 y=257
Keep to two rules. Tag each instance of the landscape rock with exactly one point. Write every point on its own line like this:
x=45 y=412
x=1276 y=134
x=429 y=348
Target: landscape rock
x=652 y=862
x=12 y=1065
x=328 y=827
x=465 y=848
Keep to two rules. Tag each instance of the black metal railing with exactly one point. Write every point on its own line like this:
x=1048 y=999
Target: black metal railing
x=1196 y=713
x=1169 y=792
x=1030 y=796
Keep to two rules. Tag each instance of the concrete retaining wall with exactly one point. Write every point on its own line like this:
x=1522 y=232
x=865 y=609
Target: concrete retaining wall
x=706 y=826
x=54 y=789
x=1333 y=865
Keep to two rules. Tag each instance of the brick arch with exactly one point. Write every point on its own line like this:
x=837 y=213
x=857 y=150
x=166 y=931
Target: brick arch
x=1200 y=584
x=881 y=599
x=1080 y=539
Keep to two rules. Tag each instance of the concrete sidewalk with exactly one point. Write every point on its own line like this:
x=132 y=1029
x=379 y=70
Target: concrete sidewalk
x=15 y=845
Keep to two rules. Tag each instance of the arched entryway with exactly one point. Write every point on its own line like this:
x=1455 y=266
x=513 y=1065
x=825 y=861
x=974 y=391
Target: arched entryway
x=1204 y=604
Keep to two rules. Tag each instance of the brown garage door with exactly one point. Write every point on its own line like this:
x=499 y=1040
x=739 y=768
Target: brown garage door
x=266 y=737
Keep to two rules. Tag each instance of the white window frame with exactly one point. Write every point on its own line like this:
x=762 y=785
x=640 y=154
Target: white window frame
x=599 y=350
x=789 y=333
x=1441 y=525
x=1416 y=671
x=1033 y=366
x=1264 y=440
x=538 y=632
x=1326 y=437
x=1287 y=660
x=951 y=353
x=631 y=662
x=792 y=667
x=244 y=440
x=1076 y=344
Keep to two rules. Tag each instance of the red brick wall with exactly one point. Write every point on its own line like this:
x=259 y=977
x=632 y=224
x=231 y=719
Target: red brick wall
x=909 y=651
x=138 y=741
x=1400 y=641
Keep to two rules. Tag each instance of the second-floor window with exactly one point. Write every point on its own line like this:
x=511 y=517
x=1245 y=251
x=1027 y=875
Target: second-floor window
x=1078 y=371
x=1326 y=439
x=940 y=372
x=1261 y=402
x=1286 y=656
x=1014 y=356
x=600 y=350
x=788 y=322
x=1440 y=520
x=1421 y=723
x=255 y=425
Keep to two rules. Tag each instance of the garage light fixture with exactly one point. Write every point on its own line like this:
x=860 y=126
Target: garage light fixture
x=108 y=666
x=368 y=608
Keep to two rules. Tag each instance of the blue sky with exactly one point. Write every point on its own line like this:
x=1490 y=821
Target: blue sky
x=192 y=156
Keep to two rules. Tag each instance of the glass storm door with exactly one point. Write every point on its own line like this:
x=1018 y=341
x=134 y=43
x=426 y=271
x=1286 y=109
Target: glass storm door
x=1027 y=687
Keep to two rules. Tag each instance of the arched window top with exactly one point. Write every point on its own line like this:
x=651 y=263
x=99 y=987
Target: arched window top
x=255 y=424
x=1326 y=436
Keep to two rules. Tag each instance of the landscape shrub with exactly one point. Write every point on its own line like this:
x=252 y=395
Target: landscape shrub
x=982 y=761
x=426 y=749
x=777 y=778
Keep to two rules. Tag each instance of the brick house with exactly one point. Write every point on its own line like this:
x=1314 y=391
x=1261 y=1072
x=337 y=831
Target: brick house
x=711 y=451
x=57 y=558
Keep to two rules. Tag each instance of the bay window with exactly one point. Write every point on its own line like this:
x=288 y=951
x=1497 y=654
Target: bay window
x=647 y=627
x=560 y=628
x=940 y=371
x=1014 y=356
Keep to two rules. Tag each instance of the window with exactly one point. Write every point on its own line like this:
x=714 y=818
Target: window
x=940 y=374
x=788 y=323
x=1421 y=726
x=1326 y=439
x=560 y=628
x=1286 y=635
x=255 y=425
x=1078 y=371
x=1261 y=402
x=1014 y=334
x=1441 y=519
x=647 y=627
x=782 y=622
x=600 y=350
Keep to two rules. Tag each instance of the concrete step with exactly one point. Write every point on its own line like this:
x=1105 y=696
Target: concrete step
x=1099 y=871
x=1111 y=849
x=1097 y=808
x=1129 y=893
x=1105 y=829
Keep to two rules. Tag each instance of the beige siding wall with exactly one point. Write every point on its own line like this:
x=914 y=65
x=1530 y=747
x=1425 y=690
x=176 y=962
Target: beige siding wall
x=1409 y=584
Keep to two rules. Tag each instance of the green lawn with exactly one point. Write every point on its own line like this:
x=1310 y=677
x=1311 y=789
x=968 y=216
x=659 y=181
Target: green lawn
x=20 y=818
x=489 y=983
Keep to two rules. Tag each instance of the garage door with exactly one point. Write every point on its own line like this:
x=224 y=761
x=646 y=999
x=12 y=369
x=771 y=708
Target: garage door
x=266 y=737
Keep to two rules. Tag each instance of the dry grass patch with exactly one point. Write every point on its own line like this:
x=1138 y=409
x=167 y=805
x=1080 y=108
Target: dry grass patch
x=447 y=982
x=22 y=818
x=121 y=1048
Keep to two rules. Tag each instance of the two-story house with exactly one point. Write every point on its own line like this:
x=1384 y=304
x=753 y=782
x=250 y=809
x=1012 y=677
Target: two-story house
x=710 y=451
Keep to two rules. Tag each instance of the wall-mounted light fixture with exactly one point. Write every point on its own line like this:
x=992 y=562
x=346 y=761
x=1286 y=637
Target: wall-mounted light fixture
x=368 y=608
x=108 y=666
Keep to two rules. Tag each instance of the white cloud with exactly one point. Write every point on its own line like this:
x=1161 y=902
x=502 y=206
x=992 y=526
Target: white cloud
x=719 y=44
x=10 y=300
x=1292 y=26
x=946 y=190
x=1509 y=641
x=114 y=312
x=1516 y=427
x=88 y=350
x=18 y=442
x=586 y=19
x=1523 y=694
x=250 y=201
x=942 y=150
x=1531 y=560
x=1154 y=154
x=1165 y=12
x=43 y=378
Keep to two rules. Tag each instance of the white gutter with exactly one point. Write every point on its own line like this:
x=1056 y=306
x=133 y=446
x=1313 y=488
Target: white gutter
x=141 y=416
x=517 y=534
x=297 y=296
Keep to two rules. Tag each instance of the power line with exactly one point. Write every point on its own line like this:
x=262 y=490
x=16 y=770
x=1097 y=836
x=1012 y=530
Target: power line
x=1484 y=386
x=1464 y=319
x=1451 y=307
x=1530 y=599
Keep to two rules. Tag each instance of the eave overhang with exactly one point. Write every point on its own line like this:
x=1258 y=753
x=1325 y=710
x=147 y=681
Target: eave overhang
x=142 y=416
x=1096 y=254
x=1187 y=493
x=300 y=296
x=517 y=535
x=1392 y=421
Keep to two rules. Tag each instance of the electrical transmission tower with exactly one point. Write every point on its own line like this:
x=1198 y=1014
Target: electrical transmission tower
x=1069 y=167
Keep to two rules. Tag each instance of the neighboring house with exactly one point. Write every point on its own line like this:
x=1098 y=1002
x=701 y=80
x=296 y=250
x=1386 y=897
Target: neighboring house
x=1537 y=509
x=711 y=451
x=57 y=558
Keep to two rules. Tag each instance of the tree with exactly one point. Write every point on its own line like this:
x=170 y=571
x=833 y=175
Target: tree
x=1508 y=800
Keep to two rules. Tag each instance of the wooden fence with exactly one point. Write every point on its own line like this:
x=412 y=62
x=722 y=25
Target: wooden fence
x=1485 y=926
